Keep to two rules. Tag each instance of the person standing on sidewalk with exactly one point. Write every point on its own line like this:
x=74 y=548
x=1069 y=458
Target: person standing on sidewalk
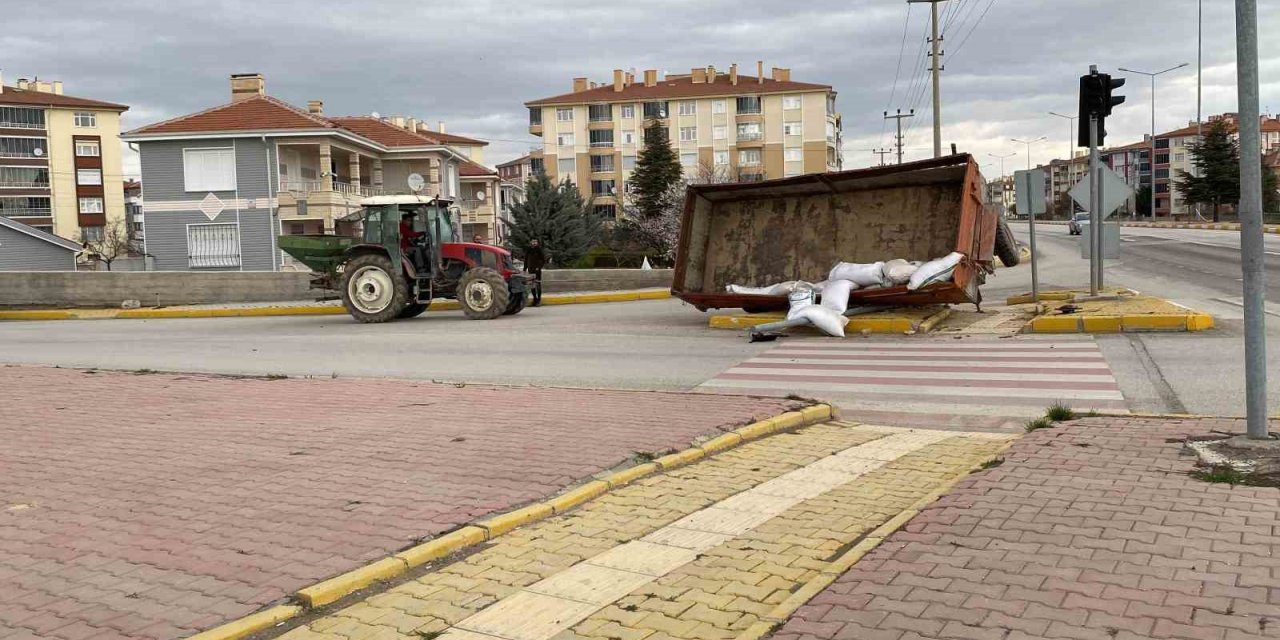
x=535 y=258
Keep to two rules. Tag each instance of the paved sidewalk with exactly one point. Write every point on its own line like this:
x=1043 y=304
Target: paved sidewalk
x=1092 y=529
x=151 y=506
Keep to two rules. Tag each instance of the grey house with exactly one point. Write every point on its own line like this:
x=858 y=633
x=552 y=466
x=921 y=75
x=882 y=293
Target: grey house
x=219 y=186
x=26 y=248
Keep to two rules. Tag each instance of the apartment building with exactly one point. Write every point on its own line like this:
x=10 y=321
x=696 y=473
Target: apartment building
x=221 y=184
x=725 y=126
x=1173 y=154
x=60 y=160
x=1002 y=193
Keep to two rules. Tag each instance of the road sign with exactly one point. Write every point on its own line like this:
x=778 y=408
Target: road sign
x=1115 y=192
x=1036 y=204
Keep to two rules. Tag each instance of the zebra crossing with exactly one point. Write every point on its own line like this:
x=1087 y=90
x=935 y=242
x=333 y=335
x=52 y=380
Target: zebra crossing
x=967 y=377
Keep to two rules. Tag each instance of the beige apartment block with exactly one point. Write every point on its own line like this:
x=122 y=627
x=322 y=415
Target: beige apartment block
x=725 y=126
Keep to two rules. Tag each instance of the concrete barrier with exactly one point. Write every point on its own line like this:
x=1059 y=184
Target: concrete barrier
x=167 y=288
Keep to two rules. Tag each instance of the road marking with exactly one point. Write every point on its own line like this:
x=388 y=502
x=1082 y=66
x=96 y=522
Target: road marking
x=557 y=603
x=1270 y=308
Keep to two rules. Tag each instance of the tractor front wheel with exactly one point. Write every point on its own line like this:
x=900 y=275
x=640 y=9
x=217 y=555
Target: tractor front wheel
x=483 y=293
x=518 y=302
x=413 y=310
x=371 y=290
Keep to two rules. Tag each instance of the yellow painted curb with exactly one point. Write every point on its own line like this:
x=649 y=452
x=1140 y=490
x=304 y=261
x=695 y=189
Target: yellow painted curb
x=928 y=324
x=338 y=587
x=1161 y=322
x=575 y=497
x=1199 y=322
x=627 y=476
x=433 y=550
x=721 y=443
x=1055 y=324
x=1102 y=324
x=500 y=524
x=682 y=458
x=250 y=624
x=34 y=314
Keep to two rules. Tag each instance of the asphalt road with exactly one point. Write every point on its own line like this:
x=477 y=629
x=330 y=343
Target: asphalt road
x=1197 y=373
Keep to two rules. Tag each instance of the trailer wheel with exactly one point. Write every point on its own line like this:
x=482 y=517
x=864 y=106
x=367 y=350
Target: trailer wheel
x=413 y=310
x=1006 y=245
x=483 y=293
x=371 y=290
x=517 y=304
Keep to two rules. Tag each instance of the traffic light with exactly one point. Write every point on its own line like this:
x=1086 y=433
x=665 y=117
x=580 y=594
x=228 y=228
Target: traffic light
x=1096 y=100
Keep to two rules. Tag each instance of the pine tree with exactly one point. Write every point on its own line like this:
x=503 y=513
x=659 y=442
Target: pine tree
x=657 y=169
x=558 y=216
x=1217 y=161
x=1270 y=184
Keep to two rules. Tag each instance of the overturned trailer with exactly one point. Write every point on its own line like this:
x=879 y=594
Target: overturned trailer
x=798 y=228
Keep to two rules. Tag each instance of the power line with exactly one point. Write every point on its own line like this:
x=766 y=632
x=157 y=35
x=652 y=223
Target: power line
x=972 y=29
x=902 y=48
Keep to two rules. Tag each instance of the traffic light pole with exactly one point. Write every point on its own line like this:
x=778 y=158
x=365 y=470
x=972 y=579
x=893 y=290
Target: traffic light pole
x=1095 y=210
x=1251 y=240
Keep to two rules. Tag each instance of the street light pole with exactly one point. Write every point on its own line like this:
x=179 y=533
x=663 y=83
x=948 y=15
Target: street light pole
x=1153 y=128
x=1071 y=133
x=1002 y=157
x=1029 y=143
x=1199 y=89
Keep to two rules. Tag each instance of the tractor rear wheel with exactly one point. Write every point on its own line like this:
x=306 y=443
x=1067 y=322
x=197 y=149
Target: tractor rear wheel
x=371 y=290
x=413 y=310
x=1006 y=245
x=483 y=293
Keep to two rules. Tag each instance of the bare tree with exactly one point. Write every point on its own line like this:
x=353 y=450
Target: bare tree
x=713 y=174
x=115 y=243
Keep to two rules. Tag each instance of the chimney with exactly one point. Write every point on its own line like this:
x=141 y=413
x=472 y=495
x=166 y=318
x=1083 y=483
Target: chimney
x=247 y=85
x=440 y=126
x=631 y=78
x=650 y=77
x=411 y=124
x=398 y=121
x=698 y=75
x=711 y=74
x=23 y=84
x=781 y=75
x=423 y=127
x=733 y=74
x=315 y=107
x=57 y=87
x=579 y=84
x=1 y=80
x=760 y=71
x=618 y=80
x=593 y=85
x=42 y=87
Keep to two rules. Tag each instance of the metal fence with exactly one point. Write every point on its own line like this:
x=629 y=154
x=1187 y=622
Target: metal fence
x=213 y=245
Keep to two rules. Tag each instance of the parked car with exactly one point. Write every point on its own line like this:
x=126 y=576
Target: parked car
x=1073 y=227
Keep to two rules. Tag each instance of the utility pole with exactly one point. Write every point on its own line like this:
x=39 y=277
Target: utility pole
x=1153 y=131
x=935 y=67
x=1251 y=242
x=1002 y=159
x=898 y=138
x=882 y=153
x=1199 y=90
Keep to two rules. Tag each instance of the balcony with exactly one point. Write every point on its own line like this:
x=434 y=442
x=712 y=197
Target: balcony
x=27 y=212
x=21 y=184
x=304 y=188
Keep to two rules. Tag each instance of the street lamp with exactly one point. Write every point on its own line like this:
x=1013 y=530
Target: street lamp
x=1002 y=158
x=1029 y=143
x=1071 y=132
x=1153 y=127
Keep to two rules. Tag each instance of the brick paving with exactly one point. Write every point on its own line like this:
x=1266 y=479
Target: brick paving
x=1092 y=529
x=152 y=506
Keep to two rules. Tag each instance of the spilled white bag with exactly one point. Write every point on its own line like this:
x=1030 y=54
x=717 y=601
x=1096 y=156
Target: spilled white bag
x=863 y=275
x=800 y=299
x=835 y=295
x=939 y=270
x=828 y=321
x=780 y=289
x=900 y=271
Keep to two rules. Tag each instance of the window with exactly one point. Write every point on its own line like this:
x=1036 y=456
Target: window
x=87 y=149
x=297 y=228
x=536 y=165
x=1162 y=173
x=564 y=114
x=791 y=173
x=628 y=111
x=790 y=102
x=88 y=176
x=86 y=119
x=688 y=107
x=213 y=245
x=21 y=118
x=689 y=159
x=209 y=169
x=535 y=115
x=628 y=163
x=22 y=147
x=718 y=106
x=721 y=158
x=688 y=134
x=564 y=139
x=655 y=109
x=791 y=128
x=600 y=113
x=602 y=163
x=749 y=104
x=748 y=157
x=659 y=131
x=601 y=137
x=749 y=131
x=566 y=168
x=601 y=187
x=16 y=206
x=831 y=131
x=628 y=137
x=91 y=205
x=794 y=155
x=91 y=234
x=1163 y=187
x=1162 y=158
x=605 y=211
x=1162 y=143
x=1179 y=157
x=719 y=132
x=1159 y=203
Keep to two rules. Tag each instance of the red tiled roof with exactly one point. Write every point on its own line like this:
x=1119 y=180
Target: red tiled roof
x=1269 y=124
x=472 y=169
x=679 y=87
x=449 y=138
x=382 y=132
x=15 y=96
x=521 y=159
x=256 y=113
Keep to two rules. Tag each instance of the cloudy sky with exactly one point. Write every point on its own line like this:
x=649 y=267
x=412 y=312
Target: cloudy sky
x=473 y=63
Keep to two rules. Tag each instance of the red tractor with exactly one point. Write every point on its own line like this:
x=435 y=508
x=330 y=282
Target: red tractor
x=406 y=255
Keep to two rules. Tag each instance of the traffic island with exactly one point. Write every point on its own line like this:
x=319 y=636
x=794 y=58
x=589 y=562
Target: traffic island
x=906 y=320
x=1117 y=311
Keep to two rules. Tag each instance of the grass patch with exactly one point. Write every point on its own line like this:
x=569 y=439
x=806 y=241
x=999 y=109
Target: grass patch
x=992 y=463
x=1224 y=474
x=1037 y=424
x=1059 y=412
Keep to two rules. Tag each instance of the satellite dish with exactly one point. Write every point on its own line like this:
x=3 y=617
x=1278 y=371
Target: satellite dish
x=37 y=152
x=480 y=196
x=375 y=114
x=416 y=183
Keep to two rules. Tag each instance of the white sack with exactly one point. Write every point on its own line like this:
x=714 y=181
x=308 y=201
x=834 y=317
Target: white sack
x=780 y=289
x=800 y=299
x=835 y=295
x=826 y=320
x=863 y=275
x=939 y=270
x=900 y=271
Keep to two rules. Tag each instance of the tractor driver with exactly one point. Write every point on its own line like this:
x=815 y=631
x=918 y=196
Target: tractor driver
x=410 y=243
